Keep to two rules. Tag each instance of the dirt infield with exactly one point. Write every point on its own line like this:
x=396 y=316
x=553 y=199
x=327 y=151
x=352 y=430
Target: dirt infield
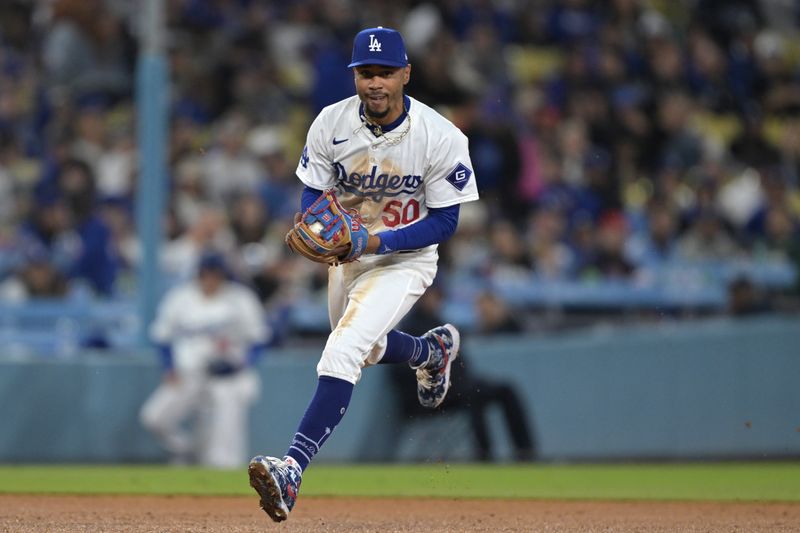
x=22 y=514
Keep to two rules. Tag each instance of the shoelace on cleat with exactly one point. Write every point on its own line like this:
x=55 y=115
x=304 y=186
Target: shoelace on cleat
x=429 y=377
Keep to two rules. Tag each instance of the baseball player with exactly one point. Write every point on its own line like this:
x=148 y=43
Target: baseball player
x=210 y=331
x=404 y=169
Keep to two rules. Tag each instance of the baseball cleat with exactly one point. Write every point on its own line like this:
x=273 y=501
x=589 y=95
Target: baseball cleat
x=433 y=377
x=277 y=483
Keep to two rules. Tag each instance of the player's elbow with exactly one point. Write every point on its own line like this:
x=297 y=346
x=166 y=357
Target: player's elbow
x=446 y=221
x=447 y=232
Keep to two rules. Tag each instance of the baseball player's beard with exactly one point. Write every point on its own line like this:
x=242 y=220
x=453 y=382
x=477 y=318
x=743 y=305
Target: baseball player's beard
x=376 y=114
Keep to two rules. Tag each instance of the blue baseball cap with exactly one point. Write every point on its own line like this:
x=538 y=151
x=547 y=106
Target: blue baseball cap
x=212 y=260
x=379 y=46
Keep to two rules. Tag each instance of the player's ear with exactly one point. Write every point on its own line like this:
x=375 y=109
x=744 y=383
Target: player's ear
x=407 y=74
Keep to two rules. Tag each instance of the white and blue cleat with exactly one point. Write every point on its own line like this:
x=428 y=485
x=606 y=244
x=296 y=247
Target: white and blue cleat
x=276 y=482
x=433 y=376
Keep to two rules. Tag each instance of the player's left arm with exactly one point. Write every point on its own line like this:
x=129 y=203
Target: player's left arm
x=448 y=183
x=450 y=179
x=437 y=227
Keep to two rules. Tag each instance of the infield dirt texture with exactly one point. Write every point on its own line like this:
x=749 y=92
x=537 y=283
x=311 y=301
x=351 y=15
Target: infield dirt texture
x=609 y=498
x=59 y=513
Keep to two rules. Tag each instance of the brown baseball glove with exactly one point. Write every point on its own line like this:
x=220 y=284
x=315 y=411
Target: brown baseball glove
x=328 y=233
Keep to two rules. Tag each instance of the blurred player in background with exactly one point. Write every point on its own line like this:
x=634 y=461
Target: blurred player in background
x=405 y=169
x=210 y=331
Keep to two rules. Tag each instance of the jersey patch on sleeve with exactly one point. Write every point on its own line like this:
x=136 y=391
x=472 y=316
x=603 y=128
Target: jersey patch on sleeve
x=459 y=176
x=304 y=157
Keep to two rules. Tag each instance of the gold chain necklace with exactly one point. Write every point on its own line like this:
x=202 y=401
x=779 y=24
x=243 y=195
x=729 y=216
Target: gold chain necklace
x=390 y=137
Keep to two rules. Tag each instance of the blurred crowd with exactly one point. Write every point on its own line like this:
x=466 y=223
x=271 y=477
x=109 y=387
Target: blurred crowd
x=610 y=139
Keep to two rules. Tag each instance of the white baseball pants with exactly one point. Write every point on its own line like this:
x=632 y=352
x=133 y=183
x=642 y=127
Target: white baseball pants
x=220 y=438
x=367 y=299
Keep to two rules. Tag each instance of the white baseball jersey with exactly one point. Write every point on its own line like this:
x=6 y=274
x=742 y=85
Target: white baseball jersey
x=202 y=328
x=394 y=178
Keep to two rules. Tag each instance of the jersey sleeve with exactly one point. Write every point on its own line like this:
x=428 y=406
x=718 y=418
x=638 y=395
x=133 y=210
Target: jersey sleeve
x=315 y=168
x=450 y=179
x=163 y=328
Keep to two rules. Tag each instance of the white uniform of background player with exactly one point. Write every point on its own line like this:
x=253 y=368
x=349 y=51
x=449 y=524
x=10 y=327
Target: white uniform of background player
x=391 y=180
x=210 y=333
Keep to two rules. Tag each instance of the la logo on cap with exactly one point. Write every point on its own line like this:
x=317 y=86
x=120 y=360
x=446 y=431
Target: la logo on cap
x=374 y=44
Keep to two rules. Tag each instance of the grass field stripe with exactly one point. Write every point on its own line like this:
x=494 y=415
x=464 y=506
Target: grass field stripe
x=673 y=482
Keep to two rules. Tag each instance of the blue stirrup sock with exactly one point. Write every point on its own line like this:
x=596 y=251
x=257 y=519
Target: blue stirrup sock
x=404 y=348
x=332 y=397
x=323 y=414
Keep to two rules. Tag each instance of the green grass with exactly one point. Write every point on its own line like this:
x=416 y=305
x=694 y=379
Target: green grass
x=716 y=481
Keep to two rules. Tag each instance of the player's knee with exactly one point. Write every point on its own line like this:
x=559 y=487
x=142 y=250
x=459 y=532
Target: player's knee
x=146 y=419
x=375 y=355
x=152 y=419
x=345 y=354
x=337 y=365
